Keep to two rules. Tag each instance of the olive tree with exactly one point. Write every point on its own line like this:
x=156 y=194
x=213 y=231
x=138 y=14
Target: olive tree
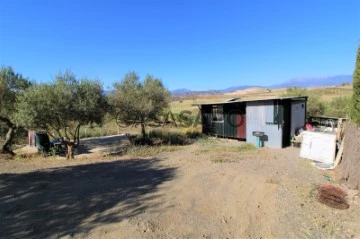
x=11 y=85
x=349 y=169
x=355 y=110
x=139 y=102
x=60 y=108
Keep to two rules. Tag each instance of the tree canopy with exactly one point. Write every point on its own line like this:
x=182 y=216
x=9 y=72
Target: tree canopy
x=11 y=86
x=355 y=113
x=63 y=106
x=139 y=102
x=349 y=169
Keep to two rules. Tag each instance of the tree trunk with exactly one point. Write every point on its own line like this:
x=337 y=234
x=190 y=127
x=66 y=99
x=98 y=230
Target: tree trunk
x=349 y=168
x=143 y=132
x=6 y=148
x=77 y=136
x=70 y=150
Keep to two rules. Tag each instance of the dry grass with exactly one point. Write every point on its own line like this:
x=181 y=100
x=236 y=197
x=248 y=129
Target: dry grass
x=147 y=151
x=328 y=93
x=27 y=156
x=219 y=150
x=6 y=157
x=243 y=147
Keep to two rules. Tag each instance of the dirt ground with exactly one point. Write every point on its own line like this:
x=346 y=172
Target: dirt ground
x=204 y=190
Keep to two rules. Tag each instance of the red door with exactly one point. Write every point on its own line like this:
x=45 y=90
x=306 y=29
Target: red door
x=241 y=126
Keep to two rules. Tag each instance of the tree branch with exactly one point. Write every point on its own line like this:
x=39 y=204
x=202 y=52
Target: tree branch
x=7 y=121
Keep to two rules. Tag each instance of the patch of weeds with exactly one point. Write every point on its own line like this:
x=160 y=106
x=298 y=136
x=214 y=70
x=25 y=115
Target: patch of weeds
x=218 y=160
x=204 y=150
x=27 y=156
x=246 y=147
x=145 y=150
x=6 y=156
x=169 y=138
x=194 y=134
x=225 y=149
x=230 y=154
x=226 y=157
x=20 y=157
x=206 y=140
x=53 y=152
x=142 y=140
x=165 y=137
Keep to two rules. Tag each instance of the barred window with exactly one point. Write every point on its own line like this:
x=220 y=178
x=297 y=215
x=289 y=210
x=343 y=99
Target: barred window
x=217 y=112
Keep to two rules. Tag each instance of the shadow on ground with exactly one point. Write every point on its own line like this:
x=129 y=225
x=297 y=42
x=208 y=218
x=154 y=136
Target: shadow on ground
x=63 y=201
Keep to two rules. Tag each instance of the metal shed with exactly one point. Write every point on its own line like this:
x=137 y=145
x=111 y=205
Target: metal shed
x=276 y=118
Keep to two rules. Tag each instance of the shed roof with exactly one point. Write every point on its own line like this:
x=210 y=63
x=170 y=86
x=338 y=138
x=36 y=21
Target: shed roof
x=232 y=101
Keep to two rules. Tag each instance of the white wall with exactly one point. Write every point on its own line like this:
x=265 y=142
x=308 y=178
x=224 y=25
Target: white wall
x=260 y=117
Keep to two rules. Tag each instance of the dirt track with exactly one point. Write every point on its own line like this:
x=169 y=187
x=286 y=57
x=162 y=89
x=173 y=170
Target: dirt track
x=183 y=194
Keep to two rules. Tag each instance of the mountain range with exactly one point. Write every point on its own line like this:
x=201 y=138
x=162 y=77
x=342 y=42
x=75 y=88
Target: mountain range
x=294 y=82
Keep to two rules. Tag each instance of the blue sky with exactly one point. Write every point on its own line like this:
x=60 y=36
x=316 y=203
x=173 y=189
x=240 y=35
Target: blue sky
x=187 y=43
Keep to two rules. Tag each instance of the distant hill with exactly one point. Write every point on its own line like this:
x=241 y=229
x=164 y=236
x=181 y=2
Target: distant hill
x=315 y=81
x=187 y=92
x=181 y=91
x=242 y=87
x=298 y=82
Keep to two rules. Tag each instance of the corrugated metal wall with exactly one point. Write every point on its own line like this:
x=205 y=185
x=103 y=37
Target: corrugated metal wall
x=218 y=128
x=260 y=117
x=230 y=127
x=297 y=115
x=206 y=119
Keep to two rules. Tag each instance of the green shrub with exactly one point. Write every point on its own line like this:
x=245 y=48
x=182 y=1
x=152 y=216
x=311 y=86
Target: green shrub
x=142 y=140
x=169 y=138
x=355 y=107
x=339 y=107
x=315 y=107
x=193 y=134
